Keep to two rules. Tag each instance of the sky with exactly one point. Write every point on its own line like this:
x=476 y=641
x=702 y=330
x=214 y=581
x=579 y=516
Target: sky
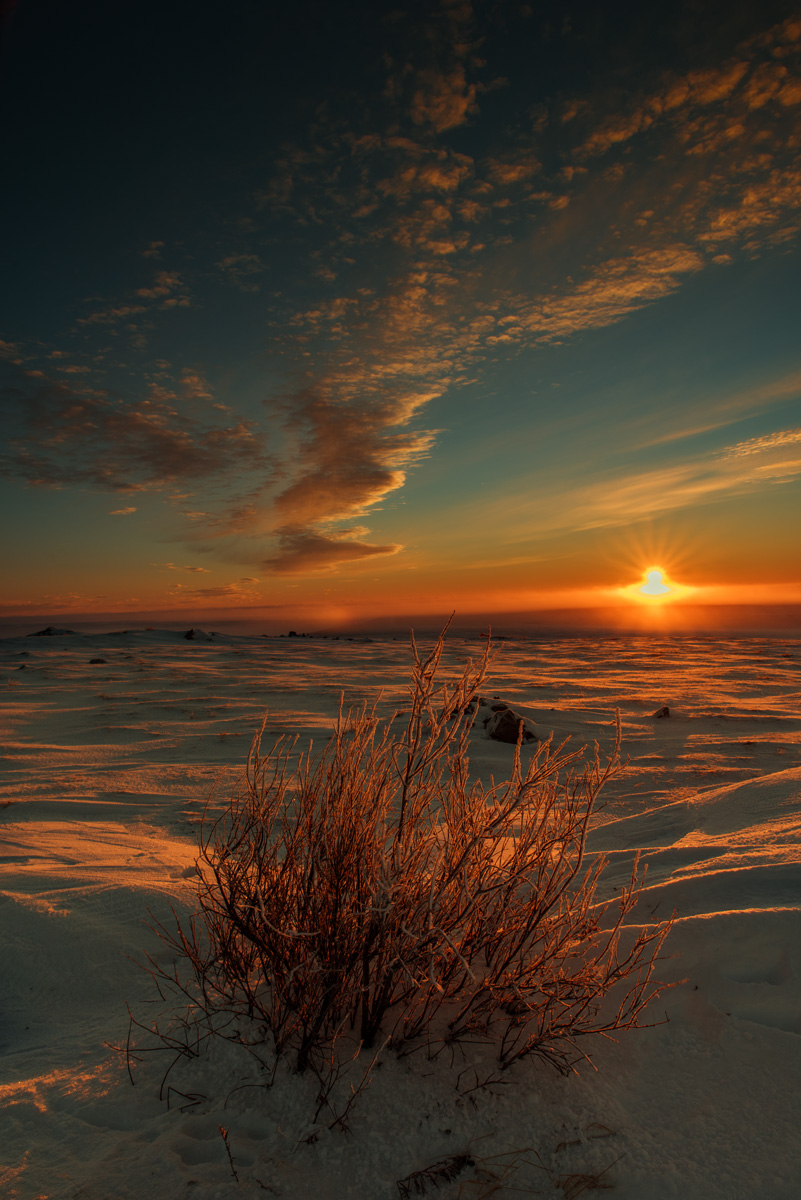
x=324 y=313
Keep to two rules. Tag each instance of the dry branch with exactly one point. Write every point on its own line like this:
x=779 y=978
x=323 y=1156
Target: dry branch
x=373 y=895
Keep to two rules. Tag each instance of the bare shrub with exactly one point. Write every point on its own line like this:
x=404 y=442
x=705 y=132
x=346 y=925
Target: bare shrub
x=372 y=896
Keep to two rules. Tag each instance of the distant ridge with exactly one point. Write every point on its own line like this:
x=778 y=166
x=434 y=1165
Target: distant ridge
x=763 y=620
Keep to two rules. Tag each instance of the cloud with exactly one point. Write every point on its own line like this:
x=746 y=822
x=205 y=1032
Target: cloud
x=121 y=512
x=443 y=100
x=441 y=173
x=194 y=385
x=736 y=470
x=730 y=408
x=245 y=590
x=513 y=169
x=613 y=290
x=109 y=316
x=241 y=269
x=350 y=424
x=400 y=350
x=161 y=293
x=350 y=458
x=759 y=205
x=765 y=447
x=680 y=97
x=438 y=97
x=739 y=118
x=172 y=567
x=165 y=283
x=62 y=601
x=10 y=351
x=302 y=551
x=68 y=438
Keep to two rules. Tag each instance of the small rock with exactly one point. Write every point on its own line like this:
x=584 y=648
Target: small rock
x=664 y=711
x=504 y=726
x=96 y=660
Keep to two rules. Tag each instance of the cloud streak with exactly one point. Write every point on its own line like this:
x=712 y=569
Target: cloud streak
x=736 y=470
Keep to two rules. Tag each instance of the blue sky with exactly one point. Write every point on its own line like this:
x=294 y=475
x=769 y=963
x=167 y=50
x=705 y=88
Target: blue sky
x=374 y=308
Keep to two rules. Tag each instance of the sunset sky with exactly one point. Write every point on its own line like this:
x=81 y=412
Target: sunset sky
x=329 y=311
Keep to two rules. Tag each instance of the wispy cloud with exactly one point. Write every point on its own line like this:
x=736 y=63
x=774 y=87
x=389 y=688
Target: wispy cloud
x=67 y=437
x=735 y=470
x=727 y=410
x=121 y=512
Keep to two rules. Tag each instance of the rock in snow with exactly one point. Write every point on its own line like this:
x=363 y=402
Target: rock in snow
x=504 y=726
x=501 y=722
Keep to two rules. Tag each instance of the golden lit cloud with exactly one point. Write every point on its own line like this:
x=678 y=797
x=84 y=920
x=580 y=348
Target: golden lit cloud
x=736 y=470
x=767 y=444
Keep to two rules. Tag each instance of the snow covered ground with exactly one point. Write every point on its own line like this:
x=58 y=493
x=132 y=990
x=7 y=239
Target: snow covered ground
x=112 y=744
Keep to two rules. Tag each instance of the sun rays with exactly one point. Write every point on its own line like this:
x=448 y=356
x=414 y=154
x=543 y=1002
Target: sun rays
x=655 y=588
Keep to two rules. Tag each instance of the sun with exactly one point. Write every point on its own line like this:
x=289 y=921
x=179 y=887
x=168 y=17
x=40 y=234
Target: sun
x=654 y=586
